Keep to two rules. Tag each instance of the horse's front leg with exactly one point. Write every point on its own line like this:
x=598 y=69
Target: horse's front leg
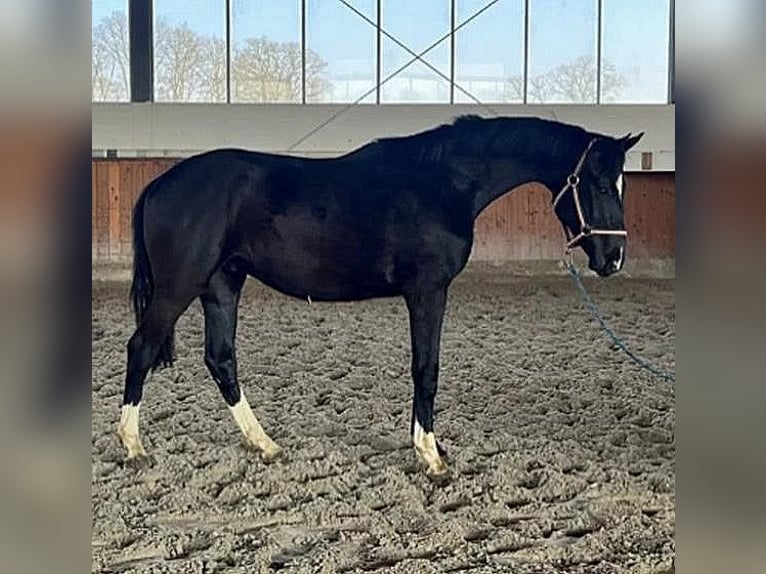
x=426 y=309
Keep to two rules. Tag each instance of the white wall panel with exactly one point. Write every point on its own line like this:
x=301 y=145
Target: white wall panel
x=157 y=130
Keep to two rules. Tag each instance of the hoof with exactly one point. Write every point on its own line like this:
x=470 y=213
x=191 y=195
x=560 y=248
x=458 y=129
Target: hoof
x=438 y=472
x=140 y=462
x=271 y=454
x=439 y=478
x=441 y=450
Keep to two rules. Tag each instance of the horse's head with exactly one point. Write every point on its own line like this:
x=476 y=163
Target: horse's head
x=590 y=203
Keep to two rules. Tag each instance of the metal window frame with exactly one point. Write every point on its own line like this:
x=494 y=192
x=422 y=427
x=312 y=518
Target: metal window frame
x=378 y=50
x=599 y=48
x=141 y=50
x=141 y=36
x=525 y=79
x=452 y=47
x=303 y=52
x=671 y=98
x=228 y=51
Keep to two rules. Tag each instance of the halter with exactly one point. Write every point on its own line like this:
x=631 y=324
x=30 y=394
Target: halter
x=585 y=230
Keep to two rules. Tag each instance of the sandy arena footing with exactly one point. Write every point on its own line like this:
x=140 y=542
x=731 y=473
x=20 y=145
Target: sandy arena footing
x=562 y=452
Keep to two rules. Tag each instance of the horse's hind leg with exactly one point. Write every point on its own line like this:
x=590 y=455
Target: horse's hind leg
x=220 y=303
x=143 y=348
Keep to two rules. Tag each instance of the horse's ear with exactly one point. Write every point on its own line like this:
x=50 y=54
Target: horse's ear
x=630 y=140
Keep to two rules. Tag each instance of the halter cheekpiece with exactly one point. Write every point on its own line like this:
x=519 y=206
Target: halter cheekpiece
x=572 y=182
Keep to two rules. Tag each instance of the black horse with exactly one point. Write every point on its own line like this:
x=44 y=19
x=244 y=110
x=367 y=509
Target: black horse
x=392 y=218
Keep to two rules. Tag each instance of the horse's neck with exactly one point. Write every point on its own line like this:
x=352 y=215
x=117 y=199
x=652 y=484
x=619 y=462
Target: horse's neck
x=505 y=176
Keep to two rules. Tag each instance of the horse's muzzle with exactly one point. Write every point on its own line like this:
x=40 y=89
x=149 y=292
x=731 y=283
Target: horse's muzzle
x=613 y=263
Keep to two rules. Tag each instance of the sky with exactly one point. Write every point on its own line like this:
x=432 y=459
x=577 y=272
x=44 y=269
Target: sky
x=635 y=35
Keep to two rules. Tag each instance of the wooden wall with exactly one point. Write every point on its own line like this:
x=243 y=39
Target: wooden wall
x=518 y=226
x=116 y=184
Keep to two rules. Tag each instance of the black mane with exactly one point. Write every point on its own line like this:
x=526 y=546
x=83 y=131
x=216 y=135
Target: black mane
x=474 y=136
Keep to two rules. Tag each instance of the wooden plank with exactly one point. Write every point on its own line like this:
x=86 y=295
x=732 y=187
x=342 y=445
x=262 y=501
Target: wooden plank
x=501 y=227
x=552 y=230
x=531 y=239
x=632 y=217
x=114 y=209
x=538 y=207
x=93 y=220
x=669 y=243
x=519 y=216
x=637 y=207
x=127 y=185
x=668 y=212
x=102 y=211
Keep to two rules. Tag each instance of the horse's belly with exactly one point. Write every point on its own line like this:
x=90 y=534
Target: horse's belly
x=322 y=278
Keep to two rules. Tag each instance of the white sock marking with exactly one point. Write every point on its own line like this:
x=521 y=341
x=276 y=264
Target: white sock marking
x=251 y=428
x=425 y=444
x=128 y=430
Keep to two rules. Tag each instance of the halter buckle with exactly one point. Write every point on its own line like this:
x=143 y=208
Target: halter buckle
x=573 y=180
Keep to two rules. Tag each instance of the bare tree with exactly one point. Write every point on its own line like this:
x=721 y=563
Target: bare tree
x=110 y=72
x=612 y=82
x=513 y=90
x=102 y=87
x=213 y=70
x=192 y=67
x=316 y=83
x=539 y=89
x=267 y=71
x=574 y=82
x=185 y=65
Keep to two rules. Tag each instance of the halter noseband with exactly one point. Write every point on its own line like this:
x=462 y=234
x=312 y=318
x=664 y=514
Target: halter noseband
x=572 y=182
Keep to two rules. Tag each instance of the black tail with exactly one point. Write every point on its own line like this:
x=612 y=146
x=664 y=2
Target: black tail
x=142 y=288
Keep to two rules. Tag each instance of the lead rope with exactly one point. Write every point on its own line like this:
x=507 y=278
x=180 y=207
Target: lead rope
x=616 y=339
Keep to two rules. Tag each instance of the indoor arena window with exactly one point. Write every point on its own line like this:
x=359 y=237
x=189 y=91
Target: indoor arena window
x=635 y=51
x=266 y=52
x=489 y=52
x=417 y=25
x=341 y=51
x=563 y=66
x=110 y=61
x=189 y=51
